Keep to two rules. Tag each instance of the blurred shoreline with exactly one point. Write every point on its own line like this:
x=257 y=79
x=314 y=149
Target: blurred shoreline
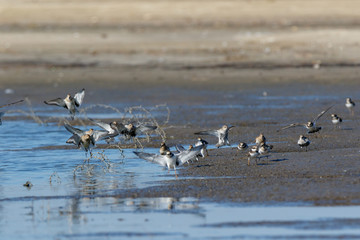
x=51 y=41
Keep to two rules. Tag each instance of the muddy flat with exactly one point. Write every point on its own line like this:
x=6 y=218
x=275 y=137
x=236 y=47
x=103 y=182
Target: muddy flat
x=257 y=65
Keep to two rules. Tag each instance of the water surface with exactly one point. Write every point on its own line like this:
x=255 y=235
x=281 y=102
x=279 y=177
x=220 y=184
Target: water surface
x=74 y=199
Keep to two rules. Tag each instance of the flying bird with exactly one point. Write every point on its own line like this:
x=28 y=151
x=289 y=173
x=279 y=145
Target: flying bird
x=69 y=102
x=311 y=125
x=221 y=134
x=110 y=128
x=85 y=139
x=132 y=130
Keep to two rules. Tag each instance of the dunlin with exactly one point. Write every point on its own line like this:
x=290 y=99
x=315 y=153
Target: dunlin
x=349 y=104
x=335 y=119
x=310 y=126
x=132 y=130
x=109 y=127
x=253 y=153
x=170 y=160
x=163 y=148
x=69 y=102
x=204 y=151
x=180 y=148
x=221 y=134
x=85 y=139
x=264 y=149
x=260 y=139
x=303 y=142
x=242 y=146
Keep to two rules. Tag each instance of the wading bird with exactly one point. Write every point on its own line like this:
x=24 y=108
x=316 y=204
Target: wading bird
x=336 y=120
x=349 y=104
x=303 y=142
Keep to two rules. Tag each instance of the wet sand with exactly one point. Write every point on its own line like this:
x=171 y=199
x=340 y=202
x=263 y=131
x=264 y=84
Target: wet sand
x=300 y=61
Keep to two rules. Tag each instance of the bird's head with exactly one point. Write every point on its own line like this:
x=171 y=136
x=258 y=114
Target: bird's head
x=129 y=126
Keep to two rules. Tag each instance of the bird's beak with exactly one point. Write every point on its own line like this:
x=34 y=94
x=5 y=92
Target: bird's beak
x=230 y=127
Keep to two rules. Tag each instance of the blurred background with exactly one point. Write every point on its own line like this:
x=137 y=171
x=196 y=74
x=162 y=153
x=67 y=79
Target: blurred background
x=82 y=34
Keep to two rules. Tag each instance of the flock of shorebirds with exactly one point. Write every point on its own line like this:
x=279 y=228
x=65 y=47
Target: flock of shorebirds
x=86 y=140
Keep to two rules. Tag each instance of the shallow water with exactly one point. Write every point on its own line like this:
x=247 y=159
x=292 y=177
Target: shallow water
x=37 y=165
x=73 y=200
x=169 y=218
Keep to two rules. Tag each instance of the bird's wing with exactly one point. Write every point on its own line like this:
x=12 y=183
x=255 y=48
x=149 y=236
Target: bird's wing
x=73 y=130
x=103 y=125
x=58 y=101
x=74 y=139
x=187 y=155
x=322 y=113
x=290 y=126
x=5 y=105
x=180 y=148
x=1 y=115
x=145 y=128
x=92 y=139
x=100 y=135
x=222 y=136
x=229 y=127
x=121 y=128
x=211 y=132
x=152 y=157
x=204 y=142
x=78 y=97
